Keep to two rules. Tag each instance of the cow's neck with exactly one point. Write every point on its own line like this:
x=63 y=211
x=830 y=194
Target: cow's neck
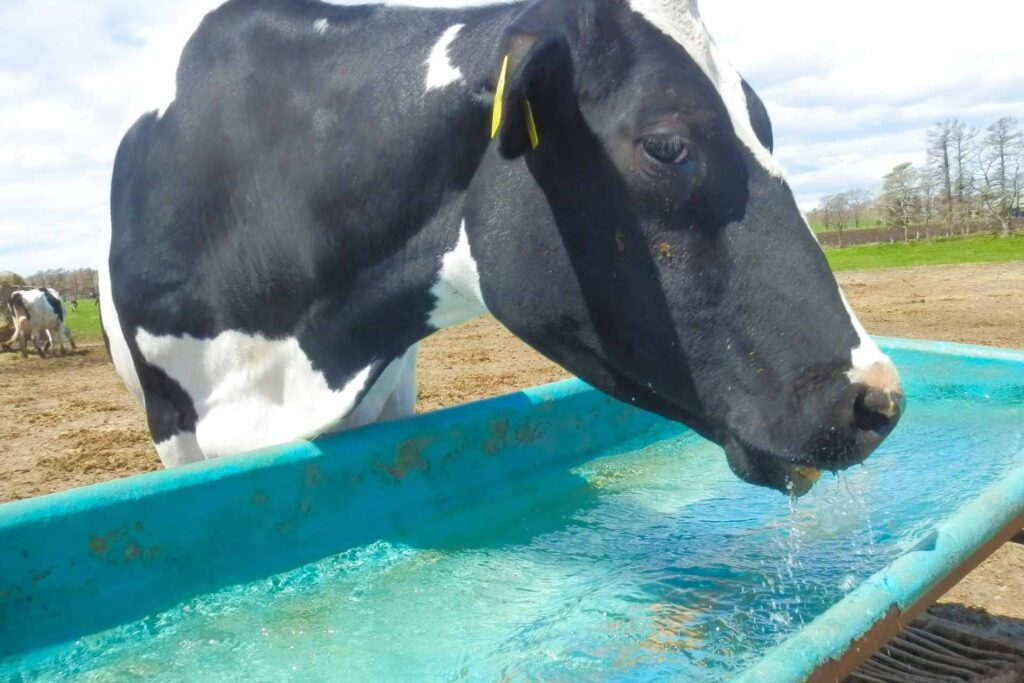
x=456 y=95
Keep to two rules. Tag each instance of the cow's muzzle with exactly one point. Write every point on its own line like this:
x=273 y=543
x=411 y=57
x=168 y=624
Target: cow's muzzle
x=850 y=430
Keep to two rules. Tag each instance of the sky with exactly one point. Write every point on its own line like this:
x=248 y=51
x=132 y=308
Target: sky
x=851 y=87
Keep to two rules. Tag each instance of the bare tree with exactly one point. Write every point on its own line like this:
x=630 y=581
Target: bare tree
x=860 y=204
x=839 y=207
x=71 y=283
x=927 y=193
x=998 y=169
x=963 y=149
x=899 y=198
x=834 y=212
x=968 y=175
x=1015 y=171
x=940 y=165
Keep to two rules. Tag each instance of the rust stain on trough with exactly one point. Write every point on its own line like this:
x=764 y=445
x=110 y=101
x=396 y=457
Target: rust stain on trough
x=98 y=545
x=312 y=476
x=409 y=457
x=499 y=434
x=117 y=547
x=527 y=434
x=132 y=550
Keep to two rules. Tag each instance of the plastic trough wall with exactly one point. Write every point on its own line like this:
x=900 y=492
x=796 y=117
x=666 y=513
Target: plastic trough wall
x=80 y=561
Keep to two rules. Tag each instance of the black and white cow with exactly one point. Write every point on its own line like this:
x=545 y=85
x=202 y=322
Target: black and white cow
x=38 y=314
x=330 y=184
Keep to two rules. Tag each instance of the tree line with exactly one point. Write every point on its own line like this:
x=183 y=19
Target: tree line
x=970 y=176
x=80 y=283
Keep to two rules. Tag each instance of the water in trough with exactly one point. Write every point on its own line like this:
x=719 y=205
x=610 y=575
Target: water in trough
x=657 y=564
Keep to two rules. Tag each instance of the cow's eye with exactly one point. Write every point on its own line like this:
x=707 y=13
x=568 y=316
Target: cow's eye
x=667 y=149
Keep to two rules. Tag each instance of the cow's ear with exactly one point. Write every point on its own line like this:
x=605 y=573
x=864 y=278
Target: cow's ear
x=533 y=94
x=759 y=118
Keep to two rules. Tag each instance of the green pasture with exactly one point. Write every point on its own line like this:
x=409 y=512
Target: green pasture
x=971 y=249
x=85 y=322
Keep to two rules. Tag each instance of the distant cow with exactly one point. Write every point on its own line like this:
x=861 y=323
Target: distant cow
x=38 y=314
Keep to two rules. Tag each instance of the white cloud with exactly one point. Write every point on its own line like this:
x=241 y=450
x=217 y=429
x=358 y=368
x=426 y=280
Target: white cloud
x=13 y=84
x=65 y=76
x=42 y=116
x=852 y=87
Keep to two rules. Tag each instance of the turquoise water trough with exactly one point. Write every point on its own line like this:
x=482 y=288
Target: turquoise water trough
x=552 y=534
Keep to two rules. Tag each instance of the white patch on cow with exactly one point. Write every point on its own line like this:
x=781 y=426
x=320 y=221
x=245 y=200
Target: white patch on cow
x=392 y=396
x=321 y=25
x=119 y=352
x=155 y=71
x=248 y=391
x=181 y=449
x=457 y=289
x=681 y=21
x=866 y=357
x=402 y=401
x=440 y=71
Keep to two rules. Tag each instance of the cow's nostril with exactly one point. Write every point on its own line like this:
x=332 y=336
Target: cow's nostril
x=877 y=410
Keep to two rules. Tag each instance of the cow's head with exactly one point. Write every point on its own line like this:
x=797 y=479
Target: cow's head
x=650 y=245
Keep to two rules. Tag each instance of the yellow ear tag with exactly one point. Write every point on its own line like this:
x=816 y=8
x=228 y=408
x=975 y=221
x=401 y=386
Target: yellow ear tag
x=499 y=95
x=531 y=127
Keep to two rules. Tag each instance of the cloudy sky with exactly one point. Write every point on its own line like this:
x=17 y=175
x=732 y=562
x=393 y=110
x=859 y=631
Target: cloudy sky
x=851 y=87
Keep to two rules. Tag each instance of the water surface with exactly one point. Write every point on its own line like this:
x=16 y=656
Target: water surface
x=644 y=566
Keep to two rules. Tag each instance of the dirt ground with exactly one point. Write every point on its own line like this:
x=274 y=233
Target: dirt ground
x=68 y=421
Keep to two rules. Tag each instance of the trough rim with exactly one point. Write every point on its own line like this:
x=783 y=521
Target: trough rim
x=135 y=486
x=946 y=348
x=107 y=493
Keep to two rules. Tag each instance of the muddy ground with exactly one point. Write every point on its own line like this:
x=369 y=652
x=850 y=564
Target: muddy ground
x=69 y=421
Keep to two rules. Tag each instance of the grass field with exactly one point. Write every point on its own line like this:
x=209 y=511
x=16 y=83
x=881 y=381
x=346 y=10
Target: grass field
x=976 y=249
x=85 y=322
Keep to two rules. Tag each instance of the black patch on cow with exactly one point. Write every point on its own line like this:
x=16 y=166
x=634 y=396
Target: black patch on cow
x=169 y=410
x=55 y=304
